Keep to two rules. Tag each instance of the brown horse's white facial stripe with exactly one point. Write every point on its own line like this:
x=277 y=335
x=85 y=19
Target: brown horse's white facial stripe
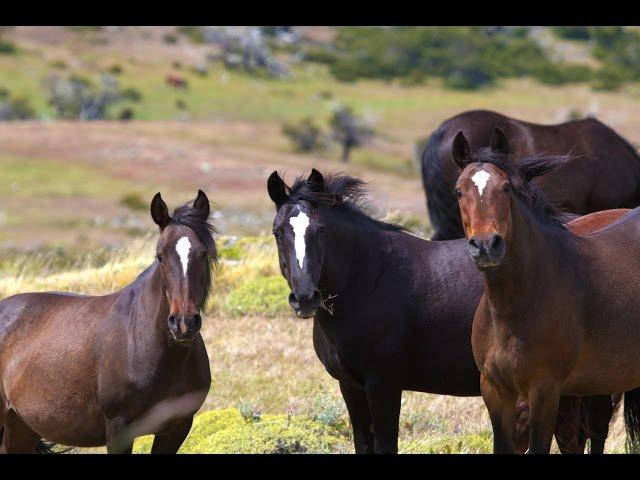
x=183 y=245
x=480 y=179
x=299 y=224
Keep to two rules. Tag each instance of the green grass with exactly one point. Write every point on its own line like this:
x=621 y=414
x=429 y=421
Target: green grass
x=29 y=177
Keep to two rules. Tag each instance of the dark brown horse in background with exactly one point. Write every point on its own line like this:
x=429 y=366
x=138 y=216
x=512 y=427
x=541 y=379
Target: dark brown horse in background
x=80 y=370
x=560 y=312
x=603 y=173
x=392 y=311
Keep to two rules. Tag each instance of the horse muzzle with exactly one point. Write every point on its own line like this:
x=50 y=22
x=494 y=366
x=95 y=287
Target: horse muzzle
x=185 y=328
x=305 y=305
x=488 y=252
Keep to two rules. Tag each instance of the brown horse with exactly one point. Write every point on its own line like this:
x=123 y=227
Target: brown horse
x=603 y=173
x=80 y=370
x=559 y=314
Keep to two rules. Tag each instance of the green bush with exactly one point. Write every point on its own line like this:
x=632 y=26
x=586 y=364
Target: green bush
x=7 y=48
x=305 y=135
x=265 y=296
x=609 y=78
x=573 y=32
x=131 y=94
x=134 y=201
x=226 y=431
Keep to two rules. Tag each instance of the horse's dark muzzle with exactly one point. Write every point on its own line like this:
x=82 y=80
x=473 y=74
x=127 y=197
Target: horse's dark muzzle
x=305 y=305
x=487 y=252
x=185 y=328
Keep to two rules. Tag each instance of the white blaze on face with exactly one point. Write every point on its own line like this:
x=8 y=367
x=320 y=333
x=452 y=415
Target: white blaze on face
x=480 y=178
x=182 y=247
x=299 y=224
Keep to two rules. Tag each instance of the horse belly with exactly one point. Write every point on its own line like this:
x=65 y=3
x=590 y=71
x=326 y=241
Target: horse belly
x=62 y=414
x=54 y=393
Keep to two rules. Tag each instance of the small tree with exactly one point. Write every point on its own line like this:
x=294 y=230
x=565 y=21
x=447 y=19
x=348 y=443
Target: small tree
x=349 y=130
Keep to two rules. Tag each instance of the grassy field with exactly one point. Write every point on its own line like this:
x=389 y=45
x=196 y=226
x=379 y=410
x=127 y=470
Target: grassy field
x=74 y=210
x=262 y=360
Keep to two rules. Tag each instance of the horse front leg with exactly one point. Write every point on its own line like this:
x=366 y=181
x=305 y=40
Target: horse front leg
x=544 y=401
x=117 y=439
x=360 y=416
x=171 y=440
x=384 y=405
x=503 y=413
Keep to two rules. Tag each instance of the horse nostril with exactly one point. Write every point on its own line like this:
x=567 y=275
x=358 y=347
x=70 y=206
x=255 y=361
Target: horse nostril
x=197 y=321
x=474 y=246
x=496 y=243
x=172 y=319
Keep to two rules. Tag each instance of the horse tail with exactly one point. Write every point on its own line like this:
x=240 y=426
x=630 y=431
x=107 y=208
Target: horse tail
x=441 y=204
x=632 y=420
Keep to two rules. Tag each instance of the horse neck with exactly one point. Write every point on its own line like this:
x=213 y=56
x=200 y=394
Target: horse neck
x=148 y=320
x=535 y=256
x=352 y=248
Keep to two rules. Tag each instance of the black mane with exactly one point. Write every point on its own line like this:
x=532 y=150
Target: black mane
x=198 y=221
x=520 y=174
x=340 y=191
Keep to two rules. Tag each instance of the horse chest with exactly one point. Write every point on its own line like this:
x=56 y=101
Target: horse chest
x=329 y=354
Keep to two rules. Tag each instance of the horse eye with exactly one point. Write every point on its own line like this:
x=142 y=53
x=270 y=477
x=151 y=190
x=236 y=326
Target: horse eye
x=507 y=188
x=458 y=193
x=321 y=229
x=159 y=257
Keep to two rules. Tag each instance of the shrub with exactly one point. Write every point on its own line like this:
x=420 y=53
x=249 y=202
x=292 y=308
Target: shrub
x=329 y=410
x=265 y=296
x=131 y=94
x=250 y=411
x=170 y=38
x=7 y=48
x=126 y=114
x=573 y=32
x=305 y=135
x=115 y=69
x=608 y=77
x=17 y=108
x=134 y=201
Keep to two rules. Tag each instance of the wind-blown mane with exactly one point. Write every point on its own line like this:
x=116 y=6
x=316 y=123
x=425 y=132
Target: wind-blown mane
x=520 y=174
x=198 y=221
x=340 y=191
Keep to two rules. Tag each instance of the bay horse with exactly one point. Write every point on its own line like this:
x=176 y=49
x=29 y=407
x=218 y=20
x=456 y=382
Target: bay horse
x=603 y=172
x=559 y=313
x=391 y=311
x=79 y=370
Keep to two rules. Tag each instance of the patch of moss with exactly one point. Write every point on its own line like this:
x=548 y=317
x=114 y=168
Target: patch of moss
x=225 y=431
x=480 y=442
x=265 y=296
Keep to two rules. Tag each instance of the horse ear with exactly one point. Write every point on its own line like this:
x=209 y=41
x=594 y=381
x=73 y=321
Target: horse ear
x=316 y=180
x=277 y=189
x=461 y=151
x=159 y=211
x=202 y=203
x=499 y=141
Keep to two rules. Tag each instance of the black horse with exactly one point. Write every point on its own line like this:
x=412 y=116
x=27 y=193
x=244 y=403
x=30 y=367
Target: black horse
x=603 y=173
x=392 y=312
